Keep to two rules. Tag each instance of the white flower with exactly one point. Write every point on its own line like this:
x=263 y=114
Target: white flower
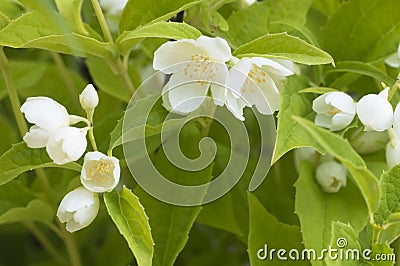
x=78 y=209
x=47 y=116
x=89 y=98
x=375 y=111
x=194 y=65
x=365 y=142
x=335 y=110
x=331 y=176
x=394 y=59
x=67 y=144
x=258 y=80
x=393 y=147
x=113 y=7
x=100 y=173
x=309 y=154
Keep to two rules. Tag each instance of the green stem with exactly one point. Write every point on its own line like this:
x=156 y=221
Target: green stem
x=395 y=88
x=71 y=248
x=102 y=21
x=376 y=231
x=12 y=93
x=91 y=130
x=121 y=69
x=41 y=237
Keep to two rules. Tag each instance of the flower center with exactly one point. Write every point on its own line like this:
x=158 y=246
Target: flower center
x=332 y=110
x=257 y=78
x=201 y=69
x=335 y=182
x=101 y=171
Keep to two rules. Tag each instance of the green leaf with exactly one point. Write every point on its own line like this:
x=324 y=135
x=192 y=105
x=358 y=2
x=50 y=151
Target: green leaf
x=139 y=13
x=385 y=254
x=267 y=233
x=289 y=134
x=284 y=46
x=317 y=210
x=363 y=69
x=344 y=237
x=342 y=150
x=18 y=205
x=389 y=203
x=107 y=80
x=71 y=10
x=32 y=30
x=4 y=20
x=352 y=33
x=20 y=159
x=265 y=17
x=213 y=20
x=132 y=222
x=317 y=90
x=162 y=29
x=327 y=7
x=171 y=224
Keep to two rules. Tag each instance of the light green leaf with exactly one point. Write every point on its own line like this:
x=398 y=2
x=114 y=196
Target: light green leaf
x=382 y=255
x=317 y=90
x=392 y=231
x=289 y=134
x=162 y=29
x=265 y=17
x=327 y=7
x=342 y=150
x=32 y=30
x=389 y=203
x=284 y=46
x=139 y=13
x=265 y=229
x=363 y=69
x=4 y=20
x=344 y=237
x=71 y=10
x=18 y=205
x=317 y=210
x=353 y=34
x=20 y=159
x=213 y=20
x=132 y=222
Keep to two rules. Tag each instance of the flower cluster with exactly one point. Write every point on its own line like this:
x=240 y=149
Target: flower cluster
x=336 y=110
x=64 y=144
x=329 y=174
x=200 y=66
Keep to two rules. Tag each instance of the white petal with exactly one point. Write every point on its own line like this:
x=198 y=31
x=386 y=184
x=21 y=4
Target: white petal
x=341 y=101
x=186 y=95
x=219 y=94
x=235 y=105
x=385 y=93
x=172 y=55
x=319 y=104
x=341 y=120
x=76 y=199
x=36 y=137
x=392 y=154
x=239 y=74
x=217 y=48
x=393 y=60
x=323 y=121
x=271 y=66
x=396 y=120
x=66 y=145
x=45 y=113
x=375 y=112
x=367 y=142
x=264 y=95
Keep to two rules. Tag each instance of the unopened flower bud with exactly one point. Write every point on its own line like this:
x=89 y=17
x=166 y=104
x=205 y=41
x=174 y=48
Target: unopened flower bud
x=89 y=98
x=331 y=176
